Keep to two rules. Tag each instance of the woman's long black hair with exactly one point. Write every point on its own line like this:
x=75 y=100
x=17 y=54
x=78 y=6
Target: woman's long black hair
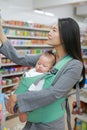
x=70 y=35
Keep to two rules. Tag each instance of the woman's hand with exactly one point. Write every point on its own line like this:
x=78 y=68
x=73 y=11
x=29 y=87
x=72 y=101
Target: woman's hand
x=3 y=37
x=22 y=116
x=11 y=103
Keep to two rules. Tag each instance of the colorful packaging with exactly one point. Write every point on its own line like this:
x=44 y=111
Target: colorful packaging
x=2 y=112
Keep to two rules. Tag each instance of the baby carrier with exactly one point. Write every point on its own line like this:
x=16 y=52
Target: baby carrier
x=56 y=109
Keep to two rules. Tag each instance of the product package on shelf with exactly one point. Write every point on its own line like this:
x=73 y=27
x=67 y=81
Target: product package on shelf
x=2 y=112
x=2 y=108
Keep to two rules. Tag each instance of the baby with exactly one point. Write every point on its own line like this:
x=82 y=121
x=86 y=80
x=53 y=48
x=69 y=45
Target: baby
x=43 y=65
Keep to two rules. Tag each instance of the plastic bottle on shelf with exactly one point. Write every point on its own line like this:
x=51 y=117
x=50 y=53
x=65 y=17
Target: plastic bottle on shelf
x=0 y=84
x=85 y=86
x=74 y=107
x=84 y=126
x=2 y=108
x=2 y=112
x=0 y=41
x=78 y=124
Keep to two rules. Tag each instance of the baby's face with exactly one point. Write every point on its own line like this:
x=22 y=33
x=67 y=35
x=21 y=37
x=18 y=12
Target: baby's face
x=43 y=64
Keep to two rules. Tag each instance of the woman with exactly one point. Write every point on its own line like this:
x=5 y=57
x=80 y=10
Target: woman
x=65 y=38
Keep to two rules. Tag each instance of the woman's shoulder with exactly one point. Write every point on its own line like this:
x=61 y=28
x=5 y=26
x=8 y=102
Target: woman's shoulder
x=74 y=63
x=77 y=62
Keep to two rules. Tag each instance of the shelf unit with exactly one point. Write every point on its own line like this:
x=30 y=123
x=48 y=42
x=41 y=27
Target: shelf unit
x=25 y=28
x=82 y=117
x=83 y=98
x=11 y=31
x=83 y=94
x=22 y=38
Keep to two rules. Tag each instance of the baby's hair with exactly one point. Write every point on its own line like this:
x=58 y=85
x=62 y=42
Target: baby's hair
x=50 y=55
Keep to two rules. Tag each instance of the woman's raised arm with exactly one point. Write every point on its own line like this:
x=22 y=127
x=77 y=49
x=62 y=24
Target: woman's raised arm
x=10 y=52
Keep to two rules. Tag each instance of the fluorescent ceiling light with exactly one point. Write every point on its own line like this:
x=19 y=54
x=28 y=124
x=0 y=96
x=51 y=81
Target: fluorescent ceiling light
x=49 y=14
x=39 y=11
x=43 y=12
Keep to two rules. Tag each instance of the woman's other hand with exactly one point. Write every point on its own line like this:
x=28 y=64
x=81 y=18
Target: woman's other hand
x=22 y=116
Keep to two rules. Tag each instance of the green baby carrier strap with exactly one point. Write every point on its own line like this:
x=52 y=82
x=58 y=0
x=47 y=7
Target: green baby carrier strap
x=25 y=84
x=56 y=109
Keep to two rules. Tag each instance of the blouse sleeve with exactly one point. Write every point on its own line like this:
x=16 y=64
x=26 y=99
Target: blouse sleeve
x=10 y=52
x=33 y=100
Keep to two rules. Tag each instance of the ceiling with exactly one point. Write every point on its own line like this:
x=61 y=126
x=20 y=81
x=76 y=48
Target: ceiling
x=29 y=5
x=16 y=4
x=23 y=9
x=43 y=4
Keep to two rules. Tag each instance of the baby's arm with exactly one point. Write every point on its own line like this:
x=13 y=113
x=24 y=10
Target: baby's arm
x=22 y=116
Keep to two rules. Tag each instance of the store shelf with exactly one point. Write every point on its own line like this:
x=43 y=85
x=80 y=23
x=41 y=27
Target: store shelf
x=86 y=75
x=83 y=95
x=83 y=99
x=24 y=34
x=84 y=56
x=84 y=90
x=10 y=85
x=82 y=117
x=34 y=46
x=26 y=37
x=84 y=47
x=85 y=66
x=8 y=64
x=12 y=74
x=26 y=28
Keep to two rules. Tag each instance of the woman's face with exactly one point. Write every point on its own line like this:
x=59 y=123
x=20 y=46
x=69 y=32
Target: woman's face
x=53 y=36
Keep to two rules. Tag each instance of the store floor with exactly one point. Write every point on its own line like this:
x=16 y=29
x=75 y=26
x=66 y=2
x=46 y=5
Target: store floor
x=15 y=124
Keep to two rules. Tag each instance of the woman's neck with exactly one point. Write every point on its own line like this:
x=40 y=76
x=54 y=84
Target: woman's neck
x=60 y=53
